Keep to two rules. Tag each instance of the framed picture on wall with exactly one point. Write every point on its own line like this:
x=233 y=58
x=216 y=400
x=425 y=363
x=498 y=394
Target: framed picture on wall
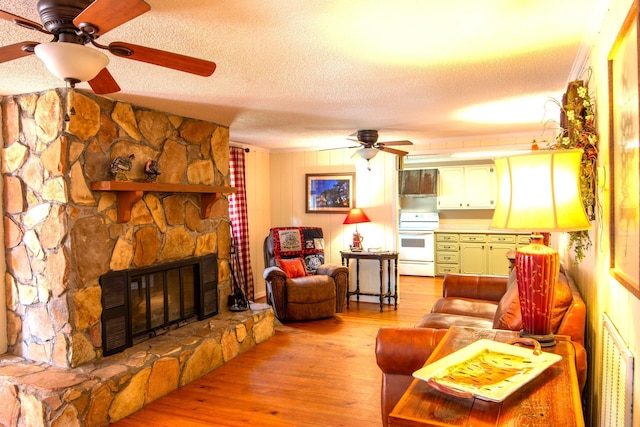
x=330 y=192
x=624 y=167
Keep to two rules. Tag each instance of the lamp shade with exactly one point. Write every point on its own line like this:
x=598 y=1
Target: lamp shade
x=540 y=191
x=356 y=216
x=71 y=62
x=367 y=153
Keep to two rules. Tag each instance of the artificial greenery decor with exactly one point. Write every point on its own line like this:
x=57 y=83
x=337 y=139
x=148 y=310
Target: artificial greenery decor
x=578 y=130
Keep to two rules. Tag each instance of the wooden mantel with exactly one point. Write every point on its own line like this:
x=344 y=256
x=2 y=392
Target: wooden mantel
x=129 y=193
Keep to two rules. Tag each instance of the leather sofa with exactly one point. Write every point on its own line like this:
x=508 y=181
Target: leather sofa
x=492 y=302
x=300 y=286
x=475 y=301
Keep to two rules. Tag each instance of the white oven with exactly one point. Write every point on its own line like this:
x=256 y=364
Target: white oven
x=416 y=254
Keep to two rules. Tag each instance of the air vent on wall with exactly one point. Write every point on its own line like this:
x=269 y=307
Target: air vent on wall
x=617 y=378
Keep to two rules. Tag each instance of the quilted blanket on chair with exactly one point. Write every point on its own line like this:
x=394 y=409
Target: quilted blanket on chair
x=305 y=242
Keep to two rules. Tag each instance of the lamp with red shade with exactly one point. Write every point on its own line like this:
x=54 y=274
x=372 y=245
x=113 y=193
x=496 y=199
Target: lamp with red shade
x=356 y=216
x=539 y=192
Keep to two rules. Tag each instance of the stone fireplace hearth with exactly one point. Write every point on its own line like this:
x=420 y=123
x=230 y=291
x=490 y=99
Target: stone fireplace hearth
x=107 y=390
x=61 y=237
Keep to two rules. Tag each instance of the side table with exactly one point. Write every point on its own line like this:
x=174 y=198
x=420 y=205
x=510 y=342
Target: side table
x=388 y=256
x=551 y=399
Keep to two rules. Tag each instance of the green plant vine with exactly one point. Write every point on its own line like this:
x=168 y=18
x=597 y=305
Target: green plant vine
x=578 y=130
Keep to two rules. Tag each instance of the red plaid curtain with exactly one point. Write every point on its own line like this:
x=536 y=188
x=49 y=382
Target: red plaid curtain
x=239 y=220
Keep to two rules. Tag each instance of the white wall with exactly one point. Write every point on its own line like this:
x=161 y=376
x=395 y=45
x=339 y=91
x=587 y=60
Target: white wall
x=601 y=292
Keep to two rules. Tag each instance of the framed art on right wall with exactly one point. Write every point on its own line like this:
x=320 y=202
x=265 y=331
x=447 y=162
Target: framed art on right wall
x=624 y=141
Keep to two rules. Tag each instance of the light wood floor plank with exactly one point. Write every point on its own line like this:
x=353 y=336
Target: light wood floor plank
x=318 y=373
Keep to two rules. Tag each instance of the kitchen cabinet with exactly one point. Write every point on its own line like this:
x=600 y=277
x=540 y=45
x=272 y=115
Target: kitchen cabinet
x=481 y=187
x=498 y=246
x=418 y=182
x=467 y=187
x=473 y=258
x=475 y=253
x=447 y=254
x=451 y=188
x=523 y=240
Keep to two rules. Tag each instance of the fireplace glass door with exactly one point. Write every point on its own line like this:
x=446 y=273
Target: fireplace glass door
x=142 y=303
x=161 y=298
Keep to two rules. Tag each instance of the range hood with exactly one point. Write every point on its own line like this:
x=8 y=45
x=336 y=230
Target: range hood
x=418 y=183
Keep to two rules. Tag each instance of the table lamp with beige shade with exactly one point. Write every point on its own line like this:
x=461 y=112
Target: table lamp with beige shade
x=539 y=192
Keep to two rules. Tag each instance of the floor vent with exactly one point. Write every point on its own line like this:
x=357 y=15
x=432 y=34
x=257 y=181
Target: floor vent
x=617 y=377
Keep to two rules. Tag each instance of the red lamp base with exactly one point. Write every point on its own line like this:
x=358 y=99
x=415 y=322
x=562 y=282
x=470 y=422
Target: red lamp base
x=537 y=270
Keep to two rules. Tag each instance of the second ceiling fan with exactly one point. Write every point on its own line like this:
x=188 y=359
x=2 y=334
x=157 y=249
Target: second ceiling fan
x=76 y=23
x=368 y=138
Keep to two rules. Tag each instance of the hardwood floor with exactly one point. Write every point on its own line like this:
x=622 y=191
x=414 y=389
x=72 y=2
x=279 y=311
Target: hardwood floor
x=318 y=373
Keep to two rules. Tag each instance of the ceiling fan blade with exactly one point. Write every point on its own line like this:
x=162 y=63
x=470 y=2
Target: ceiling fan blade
x=15 y=51
x=104 y=83
x=163 y=58
x=358 y=141
x=105 y=15
x=23 y=22
x=392 y=150
x=403 y=142
x=338 y=148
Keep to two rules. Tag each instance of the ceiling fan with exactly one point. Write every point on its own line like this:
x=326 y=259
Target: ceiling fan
x=370 y=146
x=76 y=23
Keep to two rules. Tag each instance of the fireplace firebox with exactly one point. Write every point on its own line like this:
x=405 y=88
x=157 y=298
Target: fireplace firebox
x=139 y=304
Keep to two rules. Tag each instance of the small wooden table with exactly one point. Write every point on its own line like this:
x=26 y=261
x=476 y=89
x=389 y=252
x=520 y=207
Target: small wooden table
x=389 y=256
x=551 y=399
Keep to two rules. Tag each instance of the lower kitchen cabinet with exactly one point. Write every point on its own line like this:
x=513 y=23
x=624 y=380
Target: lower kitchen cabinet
x=447 y=253
x=473 y=258
x=475 y=253
x=498 y=246
x=523 y=239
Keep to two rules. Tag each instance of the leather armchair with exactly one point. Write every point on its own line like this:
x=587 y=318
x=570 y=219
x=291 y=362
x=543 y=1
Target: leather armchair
x=320 y=293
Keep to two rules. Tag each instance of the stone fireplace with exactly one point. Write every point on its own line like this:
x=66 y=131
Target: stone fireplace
x=61 y=236
x=63 y=232
x=142 y=303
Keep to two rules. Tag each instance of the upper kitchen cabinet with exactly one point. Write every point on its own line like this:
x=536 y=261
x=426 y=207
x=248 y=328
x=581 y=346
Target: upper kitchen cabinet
x=418 y=182
x=467 y=187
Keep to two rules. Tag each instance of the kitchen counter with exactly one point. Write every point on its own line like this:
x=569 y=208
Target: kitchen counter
x=473 y=229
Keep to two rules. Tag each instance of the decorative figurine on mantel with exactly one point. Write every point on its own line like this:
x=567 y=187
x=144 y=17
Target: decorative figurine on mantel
x=120 y=166
x=152 y=170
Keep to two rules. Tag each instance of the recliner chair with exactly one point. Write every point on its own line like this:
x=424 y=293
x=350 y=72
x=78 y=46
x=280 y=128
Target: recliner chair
x=300 y=286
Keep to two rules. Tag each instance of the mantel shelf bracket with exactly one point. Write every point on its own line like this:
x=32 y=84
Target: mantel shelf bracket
x=129 y=193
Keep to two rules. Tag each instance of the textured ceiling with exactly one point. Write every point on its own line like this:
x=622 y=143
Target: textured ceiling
x=309 y=73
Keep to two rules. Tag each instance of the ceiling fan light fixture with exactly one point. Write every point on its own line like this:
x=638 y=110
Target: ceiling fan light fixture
x=367 y=153
x=71 y=62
